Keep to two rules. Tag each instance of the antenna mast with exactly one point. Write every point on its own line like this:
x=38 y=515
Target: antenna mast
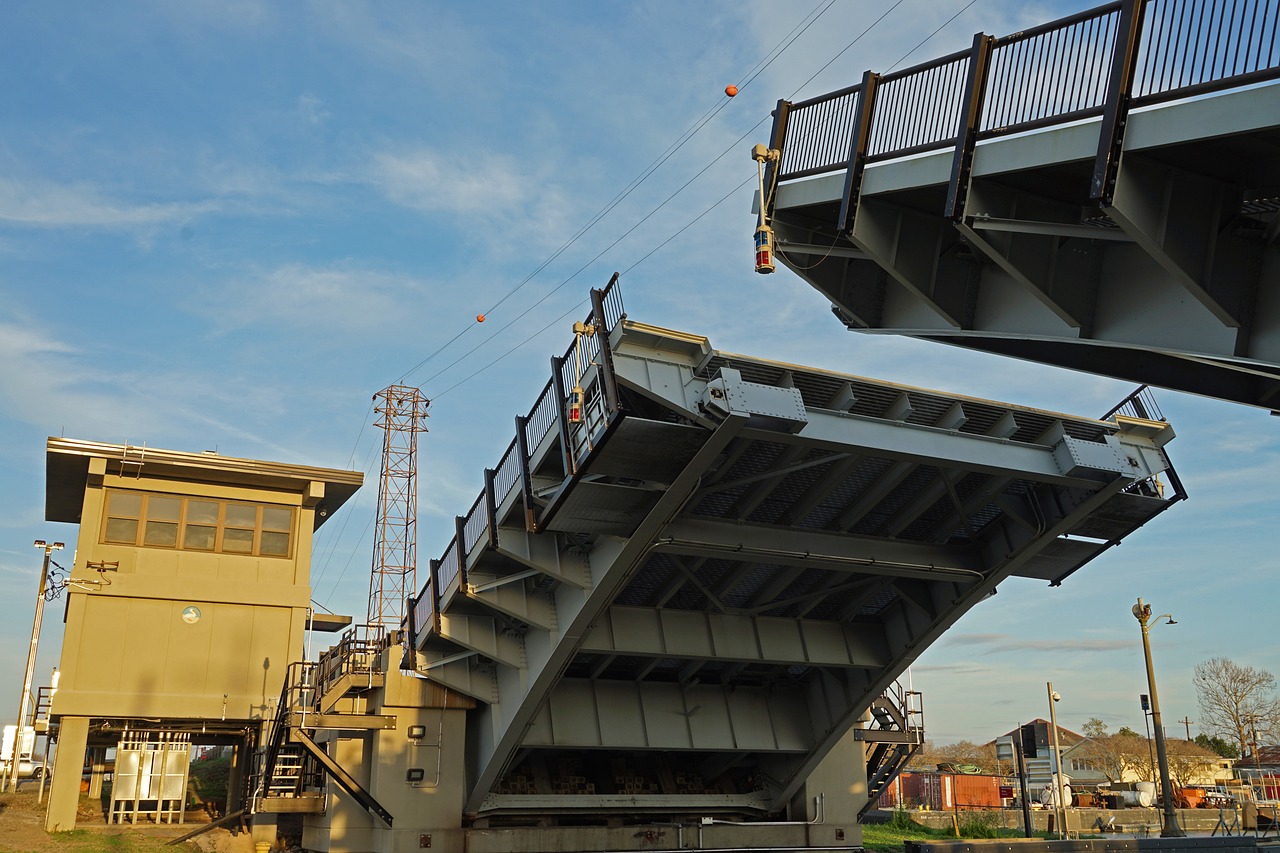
x=403 y=412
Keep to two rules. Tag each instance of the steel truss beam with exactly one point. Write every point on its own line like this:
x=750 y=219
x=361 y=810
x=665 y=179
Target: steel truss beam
x=700 y=636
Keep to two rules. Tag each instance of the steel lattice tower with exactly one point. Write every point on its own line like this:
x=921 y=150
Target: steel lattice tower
x=395 y=548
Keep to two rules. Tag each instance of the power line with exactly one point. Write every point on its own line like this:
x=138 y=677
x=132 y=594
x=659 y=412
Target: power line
x=635 y=183
x=626 y=192
x=922 y=41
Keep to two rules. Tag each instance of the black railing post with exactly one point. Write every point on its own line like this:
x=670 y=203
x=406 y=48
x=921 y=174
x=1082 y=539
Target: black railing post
x=778 y=141
x=858 y=150
x=491 y=506
x=562 y=426
x=460 y=533
x=975 y=92
x=433 y=587
x=607 y=378
x=526 y=478
x=1115 y=112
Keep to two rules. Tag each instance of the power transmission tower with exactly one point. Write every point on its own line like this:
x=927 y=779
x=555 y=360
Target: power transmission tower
x=403 y=412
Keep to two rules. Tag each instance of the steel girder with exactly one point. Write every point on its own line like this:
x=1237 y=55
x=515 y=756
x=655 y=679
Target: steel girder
x=1169 y=279
x=824 y=530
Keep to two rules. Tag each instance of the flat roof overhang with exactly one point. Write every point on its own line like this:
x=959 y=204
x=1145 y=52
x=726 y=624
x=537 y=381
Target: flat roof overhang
x=67 y=474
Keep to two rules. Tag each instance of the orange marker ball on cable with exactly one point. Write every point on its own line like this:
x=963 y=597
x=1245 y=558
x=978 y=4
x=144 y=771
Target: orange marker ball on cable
x=479 y=318
x=731 y=90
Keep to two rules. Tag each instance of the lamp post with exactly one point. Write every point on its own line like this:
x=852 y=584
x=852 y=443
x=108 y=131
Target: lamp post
x=1170 y=828
x=15 y=764
x=1145 y=701
x=1059 y=800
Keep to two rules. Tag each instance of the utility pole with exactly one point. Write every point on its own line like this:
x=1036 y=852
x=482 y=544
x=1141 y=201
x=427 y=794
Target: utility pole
x=1187 y=721
x=15 y=763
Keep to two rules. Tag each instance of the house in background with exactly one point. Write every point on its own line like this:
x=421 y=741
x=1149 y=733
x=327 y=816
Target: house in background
x=1087 y=762
x=1036 y=741
x=188 y=597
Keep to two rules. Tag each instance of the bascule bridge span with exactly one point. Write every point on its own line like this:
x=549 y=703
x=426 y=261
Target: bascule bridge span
x=1100 y=193
x=695 y=597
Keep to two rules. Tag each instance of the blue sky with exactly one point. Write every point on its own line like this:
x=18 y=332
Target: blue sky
x=226 y=224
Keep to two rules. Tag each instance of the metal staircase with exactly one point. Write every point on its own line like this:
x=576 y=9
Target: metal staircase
x=292 y=766
x=894 y=735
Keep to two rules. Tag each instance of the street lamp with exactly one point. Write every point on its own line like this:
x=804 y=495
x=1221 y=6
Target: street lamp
x=1170 y=828
x=16 y=762
x=1145 y=701
x=1059 y=800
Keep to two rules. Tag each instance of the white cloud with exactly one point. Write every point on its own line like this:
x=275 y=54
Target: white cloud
x=297 y=297
x=472 y=184
x=312 y=110
x=52 y=205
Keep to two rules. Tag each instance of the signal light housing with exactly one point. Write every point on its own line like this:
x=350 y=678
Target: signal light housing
x=764 y=250
x=575 y=405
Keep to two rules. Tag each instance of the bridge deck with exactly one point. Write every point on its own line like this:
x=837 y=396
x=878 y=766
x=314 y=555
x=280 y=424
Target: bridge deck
x=707 y=582
x=1119 y=215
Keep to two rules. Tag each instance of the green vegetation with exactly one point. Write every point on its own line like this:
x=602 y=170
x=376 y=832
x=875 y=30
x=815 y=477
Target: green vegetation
x=208 y=779
x=900 y=828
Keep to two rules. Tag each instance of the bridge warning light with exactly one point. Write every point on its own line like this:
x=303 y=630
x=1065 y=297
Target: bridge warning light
x=575 y=405
x=764 y=250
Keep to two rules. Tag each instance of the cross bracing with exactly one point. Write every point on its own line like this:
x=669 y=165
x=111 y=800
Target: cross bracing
x=730 y=559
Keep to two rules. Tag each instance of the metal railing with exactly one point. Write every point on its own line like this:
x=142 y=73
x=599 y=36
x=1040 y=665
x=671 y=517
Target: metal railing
x=1195 y=45
x=449 y=565
x=1141 y=403
x=477 y=522
x=1051 y=74
x=424 y=609
x=917 y=109
x=819 y=133
x=356 y=653
x=507 y=474
x=543 y=417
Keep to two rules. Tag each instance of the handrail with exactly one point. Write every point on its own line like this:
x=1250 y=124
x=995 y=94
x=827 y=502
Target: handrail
x=918 y=108
x=449 y=565
x=1053 y=70
x=476 y=524
x=507 y=473
x=543 y=417
x=1050 y=74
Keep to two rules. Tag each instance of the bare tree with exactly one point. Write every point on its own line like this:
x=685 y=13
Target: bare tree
x=1236 y=702
x=963 y=753
x=1192 y=764
x=1113 y=755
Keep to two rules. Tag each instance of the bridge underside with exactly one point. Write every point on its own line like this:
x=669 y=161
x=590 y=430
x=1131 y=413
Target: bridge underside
x=1100 y=192
x=683 y=603
x=1175 y=282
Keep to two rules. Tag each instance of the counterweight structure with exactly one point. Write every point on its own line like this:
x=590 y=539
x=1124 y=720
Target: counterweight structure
x=403 y=412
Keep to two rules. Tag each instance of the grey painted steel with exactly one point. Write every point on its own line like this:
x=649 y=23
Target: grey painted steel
x=783 y=543
x=1167 y=274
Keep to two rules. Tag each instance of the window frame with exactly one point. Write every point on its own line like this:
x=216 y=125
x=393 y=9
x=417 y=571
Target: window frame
x=220 y=526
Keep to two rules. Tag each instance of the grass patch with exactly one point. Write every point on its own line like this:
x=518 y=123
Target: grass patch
x=890 y=836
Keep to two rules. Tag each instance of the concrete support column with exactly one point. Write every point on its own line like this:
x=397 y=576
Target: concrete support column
x=64 y=793
x=236 y=777
x=840 y=781
x=97 y=770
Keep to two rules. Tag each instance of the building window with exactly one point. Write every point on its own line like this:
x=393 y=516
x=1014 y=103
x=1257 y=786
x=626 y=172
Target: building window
x=197 y=524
